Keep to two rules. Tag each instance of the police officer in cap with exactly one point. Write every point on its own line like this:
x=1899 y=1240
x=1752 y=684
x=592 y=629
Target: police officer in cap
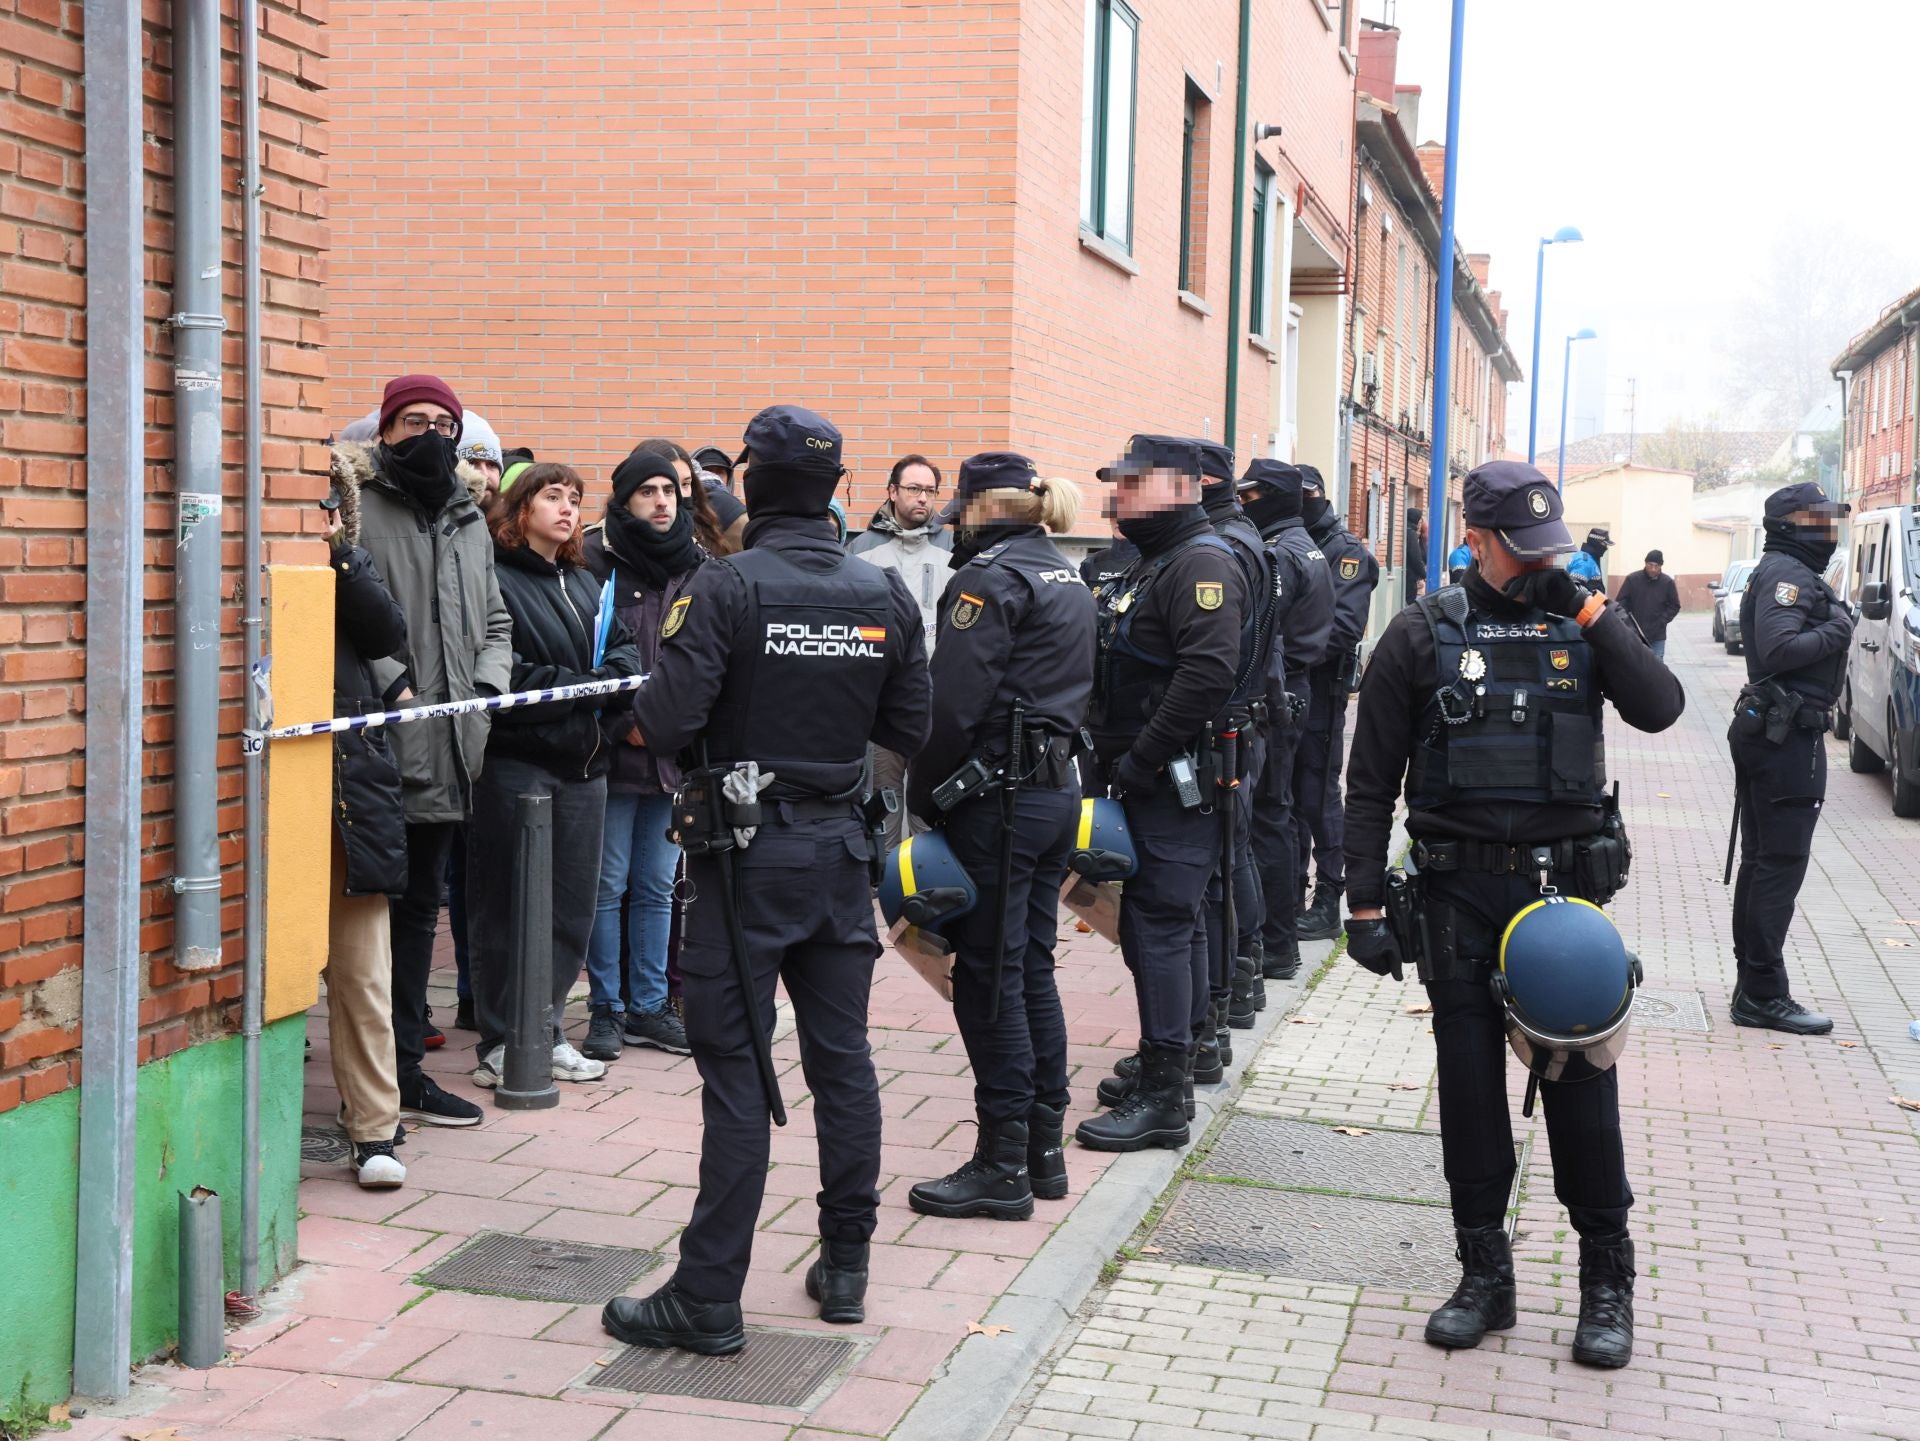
x=1797 y=634
x=1015 y=648
x=1316 y=768
x=1170 y=639
x=791 y=656
x=1488 y=697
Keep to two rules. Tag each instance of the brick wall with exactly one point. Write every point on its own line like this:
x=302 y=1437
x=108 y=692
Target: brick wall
x=1879 y=456
x=43 y=505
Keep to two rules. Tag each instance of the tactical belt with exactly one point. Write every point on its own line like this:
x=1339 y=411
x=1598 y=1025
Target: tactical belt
x=811 y=809
x=1049 y=761
x=1484 y=858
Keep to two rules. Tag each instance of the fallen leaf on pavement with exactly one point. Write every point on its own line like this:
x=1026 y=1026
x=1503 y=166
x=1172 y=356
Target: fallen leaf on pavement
x=1776 y=1048
x=1418 y=1008
x=1149 y=1250
x=1847 y=1045
x=1302 y=1021
x=974 y=1328
x=1404 y=1086
x=1662 y=795
x=58 y=1415
x=1351 y=1131
x=1889 y=941
x=603 y=1362
x=165 y=1433
x=1905 y=1103
x=329 y=1382
x=1083 y=928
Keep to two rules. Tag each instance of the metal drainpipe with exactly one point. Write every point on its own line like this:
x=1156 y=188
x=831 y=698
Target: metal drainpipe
x=1239 y=246
x=197 y=324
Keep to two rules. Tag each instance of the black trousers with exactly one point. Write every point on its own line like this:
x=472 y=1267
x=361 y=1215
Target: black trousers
x=413 y=921
x=1021 y=1056
x=1780 y=790
x=1319 y=821
x=807 y=911
x=1476 y=1128
x=1275 y=844
x=1163 y=933
x=1249 y=908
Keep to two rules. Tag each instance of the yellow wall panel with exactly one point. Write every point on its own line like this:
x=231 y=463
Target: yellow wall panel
x=299 y=787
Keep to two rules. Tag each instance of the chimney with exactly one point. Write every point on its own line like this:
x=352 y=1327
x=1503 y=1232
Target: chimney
x=1478 y=265
x=1406 y=100
x=1433 y=165
x=1379 y=55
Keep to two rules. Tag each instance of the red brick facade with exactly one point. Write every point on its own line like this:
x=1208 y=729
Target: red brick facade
x=1880 y=455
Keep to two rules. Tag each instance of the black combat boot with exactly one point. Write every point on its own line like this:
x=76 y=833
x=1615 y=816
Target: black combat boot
x=1241 y=1003
x=1321 y=920
x=1222 y=1033
x=1259 y=959
x=994 y=1183
x=1151 y=1116
x=1604 y=1336
x=838 y=1279
x=1283 y=964
x=1046 y=1153
x=1483 y=1301
x=1114 y=1089
x=671 y=1317
x=1207 y=1067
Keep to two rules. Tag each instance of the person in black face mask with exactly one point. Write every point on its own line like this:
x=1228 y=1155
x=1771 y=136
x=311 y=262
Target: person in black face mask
x=1797 y=634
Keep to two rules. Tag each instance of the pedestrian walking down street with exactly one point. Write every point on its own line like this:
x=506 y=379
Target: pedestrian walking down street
x=555 y=749
x=1170 y=643
x=777 y=667
x=1317 y=808
x=1797 y=634
x=1016 y=629
x=1489 y=698
x=1653 y=600
x=645 y=550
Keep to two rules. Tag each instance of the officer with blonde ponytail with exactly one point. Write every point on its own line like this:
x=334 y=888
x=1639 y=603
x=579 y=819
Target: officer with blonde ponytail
x=1012 y=675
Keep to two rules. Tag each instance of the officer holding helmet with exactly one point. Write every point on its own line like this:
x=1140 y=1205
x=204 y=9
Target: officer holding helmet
x=776 y=668
x=1488 y=698
x=1797 y=634
x=1012 y=670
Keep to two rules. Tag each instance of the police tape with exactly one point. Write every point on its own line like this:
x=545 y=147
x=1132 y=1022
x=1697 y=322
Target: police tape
x=254 y=740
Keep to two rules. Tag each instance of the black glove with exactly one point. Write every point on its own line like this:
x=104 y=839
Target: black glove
x=1552 y=590
x=1373 y=946
x=1133 y=776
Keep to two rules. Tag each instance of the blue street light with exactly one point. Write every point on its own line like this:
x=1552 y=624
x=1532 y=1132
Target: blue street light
x=1443 y=317
x=1565 y=235
x=1566 y=384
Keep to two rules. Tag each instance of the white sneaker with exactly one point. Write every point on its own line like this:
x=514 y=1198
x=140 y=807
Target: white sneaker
x=570 y=1065
x=486 y=1075
x=376 y=1167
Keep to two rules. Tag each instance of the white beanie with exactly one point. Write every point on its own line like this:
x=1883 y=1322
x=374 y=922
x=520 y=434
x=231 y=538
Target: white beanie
x=477 y=440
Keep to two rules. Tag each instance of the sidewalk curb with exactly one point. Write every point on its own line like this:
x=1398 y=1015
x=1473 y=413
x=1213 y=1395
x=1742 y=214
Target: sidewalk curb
x=985 y=1374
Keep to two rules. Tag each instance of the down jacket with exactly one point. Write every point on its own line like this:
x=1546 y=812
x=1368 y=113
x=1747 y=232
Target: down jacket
x=642 y=610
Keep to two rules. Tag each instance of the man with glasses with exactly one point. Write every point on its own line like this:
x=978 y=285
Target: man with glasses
x=907 y=535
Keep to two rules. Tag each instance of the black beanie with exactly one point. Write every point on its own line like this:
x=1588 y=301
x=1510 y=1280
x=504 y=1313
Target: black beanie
x=636 y=470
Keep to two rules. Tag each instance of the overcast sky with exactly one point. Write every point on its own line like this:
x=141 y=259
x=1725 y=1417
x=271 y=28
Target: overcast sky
x=1691 y=141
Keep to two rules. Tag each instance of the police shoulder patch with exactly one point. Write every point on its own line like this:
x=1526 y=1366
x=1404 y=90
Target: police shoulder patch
x=1209 y=594
x=1560 y=659
x=1350 y=568
x=1786 y=593
x=676 y=617
x=966 y=610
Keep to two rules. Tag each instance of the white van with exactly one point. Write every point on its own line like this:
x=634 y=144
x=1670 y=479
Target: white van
x=1879 y=713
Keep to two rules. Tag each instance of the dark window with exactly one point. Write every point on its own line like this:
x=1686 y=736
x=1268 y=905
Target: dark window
x=1196 y=133
x=1257 y=318
x=1106 y=121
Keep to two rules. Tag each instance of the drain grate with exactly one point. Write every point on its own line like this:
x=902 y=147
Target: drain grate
x=1311 y=1236
x=778 y=1368
x=498 y=1264
x=1401 y=1164
x=1672 y=1010
x=324 y=1143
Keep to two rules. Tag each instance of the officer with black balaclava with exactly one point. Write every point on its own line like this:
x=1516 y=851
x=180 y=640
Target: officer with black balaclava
x=1169 y=653
x=776 y=669
x=1317 y=825
x=1488 y=697
x=1797 y=634
x=1012 y=672
x=1273 y=493
x=1586 y=564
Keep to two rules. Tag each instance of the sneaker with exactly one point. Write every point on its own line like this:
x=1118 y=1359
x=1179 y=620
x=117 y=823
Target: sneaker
x=376 y=1167
x=421 y=1100
x=486 y=1075
x=661 y=1029
x=433 y=1038
x=463 y=1015
x=603 y=1035
x=570 y=1065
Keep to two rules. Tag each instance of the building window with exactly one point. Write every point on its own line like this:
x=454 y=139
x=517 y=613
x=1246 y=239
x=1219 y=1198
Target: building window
x=1259 y=321
x=1195 y=135
x=1106 y=122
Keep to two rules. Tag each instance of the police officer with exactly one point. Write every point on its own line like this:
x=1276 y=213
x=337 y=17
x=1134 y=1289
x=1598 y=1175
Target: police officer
x=1016 y=629
x=791 y=655
x=1170 y=638
x=1797 y=634
x=1273 y=493
x=1507 y=671
x=1458 y=559
x=1585 y=564
x=1317 y=763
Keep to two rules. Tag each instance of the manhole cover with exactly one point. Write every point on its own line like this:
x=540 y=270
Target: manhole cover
x=323 y=1143
x=1674 y=1010
x=778 y=1368
x=1311 y=1236
x=502 y=1265
x=1301 y=1154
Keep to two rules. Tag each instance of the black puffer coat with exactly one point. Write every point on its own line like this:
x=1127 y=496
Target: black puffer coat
x=368 y=626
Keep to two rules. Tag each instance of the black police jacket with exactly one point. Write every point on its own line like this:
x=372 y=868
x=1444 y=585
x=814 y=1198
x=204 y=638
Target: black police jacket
x=1395 y=717
x=1259 y=672
x=1305 y=623
x=1109 y=564
x=1355 y=574
x=792 y=654
x=1795 y=629
x=1016 y=622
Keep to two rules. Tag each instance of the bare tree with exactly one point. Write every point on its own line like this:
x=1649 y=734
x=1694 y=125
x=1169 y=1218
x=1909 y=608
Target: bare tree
x=1696 y=446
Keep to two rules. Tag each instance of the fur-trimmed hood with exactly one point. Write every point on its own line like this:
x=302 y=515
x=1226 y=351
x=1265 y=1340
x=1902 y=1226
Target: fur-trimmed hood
x=476 y=483
x=353 y=468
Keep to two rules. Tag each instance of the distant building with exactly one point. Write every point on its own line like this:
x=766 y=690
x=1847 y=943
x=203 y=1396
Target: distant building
x=1649 y=508
x=1880 y=450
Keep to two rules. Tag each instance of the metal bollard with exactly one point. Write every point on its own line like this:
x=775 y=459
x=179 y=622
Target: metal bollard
x=203 y=1335
x=526 y=1082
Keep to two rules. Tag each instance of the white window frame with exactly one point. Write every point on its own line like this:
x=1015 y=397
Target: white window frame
x=1100 y=215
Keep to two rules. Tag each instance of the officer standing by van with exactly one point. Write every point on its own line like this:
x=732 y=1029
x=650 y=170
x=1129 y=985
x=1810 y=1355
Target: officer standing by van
x=1797 y=634
x=1508 y=671
x=1015 y=652
x=788 y=657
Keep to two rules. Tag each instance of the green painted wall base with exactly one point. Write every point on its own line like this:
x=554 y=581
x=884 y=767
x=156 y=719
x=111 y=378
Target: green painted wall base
x=188 y=1135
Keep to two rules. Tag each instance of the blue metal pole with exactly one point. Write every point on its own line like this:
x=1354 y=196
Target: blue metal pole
x=1566 y=376
x=1443 y=319
x=1533 y=375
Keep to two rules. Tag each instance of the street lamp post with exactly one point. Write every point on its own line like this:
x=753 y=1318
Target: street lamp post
x=1566 y=385
x=1565 y=235
x=1445 y=272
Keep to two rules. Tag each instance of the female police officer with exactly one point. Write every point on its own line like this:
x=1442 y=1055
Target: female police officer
x=1014 y=651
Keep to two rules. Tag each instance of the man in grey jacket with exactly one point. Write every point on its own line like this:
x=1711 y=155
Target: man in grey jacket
x=907 y=535
x=429 y=540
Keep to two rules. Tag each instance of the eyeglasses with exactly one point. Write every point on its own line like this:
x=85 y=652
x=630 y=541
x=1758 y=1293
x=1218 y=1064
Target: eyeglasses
x=920 y=492
x=415 y=423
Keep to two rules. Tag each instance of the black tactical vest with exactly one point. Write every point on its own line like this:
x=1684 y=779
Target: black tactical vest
x=1516 y=716
x=1262 y=572
x=804 y=679
x=1129 y=681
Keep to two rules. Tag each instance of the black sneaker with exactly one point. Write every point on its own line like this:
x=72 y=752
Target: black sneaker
x=421 y=1100
x=671 y=1317
x=463 y=1015
x=603 y=1035
x=1778 y=1013
x=661 y=1029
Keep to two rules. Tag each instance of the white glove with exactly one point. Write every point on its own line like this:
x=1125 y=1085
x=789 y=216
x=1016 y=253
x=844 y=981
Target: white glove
x=742 y=787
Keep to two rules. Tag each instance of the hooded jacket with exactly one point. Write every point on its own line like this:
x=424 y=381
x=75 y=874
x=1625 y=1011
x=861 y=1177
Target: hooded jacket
x=643 y=611
x=922 y=555
x=459 y=635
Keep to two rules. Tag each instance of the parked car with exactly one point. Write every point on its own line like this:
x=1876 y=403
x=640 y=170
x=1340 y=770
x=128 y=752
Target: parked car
x=1879 y=712
x=1726 y=605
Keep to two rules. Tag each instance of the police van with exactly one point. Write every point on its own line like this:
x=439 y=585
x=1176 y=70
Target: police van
x=1879 y=714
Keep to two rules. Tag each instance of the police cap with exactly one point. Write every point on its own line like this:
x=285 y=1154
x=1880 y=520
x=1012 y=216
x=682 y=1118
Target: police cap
x=1311 y=482
x=791 y=435
x=1216 y=459
x=1155 y=452
x=996 y=470
x=1807 y=495
x=1518 y=504
x=1278 y=476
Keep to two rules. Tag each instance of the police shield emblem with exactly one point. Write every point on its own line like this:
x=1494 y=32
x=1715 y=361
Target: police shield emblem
x=1350 y=568
x=1559 y=659
x=1208 y=594
x=967 y=610
x=676 y=617
x=1537 y=503
x=1786 y=594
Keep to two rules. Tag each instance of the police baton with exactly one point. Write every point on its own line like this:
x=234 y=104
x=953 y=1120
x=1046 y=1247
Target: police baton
x=1009 y=789
x=1229 y=804
x=1733 y=836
